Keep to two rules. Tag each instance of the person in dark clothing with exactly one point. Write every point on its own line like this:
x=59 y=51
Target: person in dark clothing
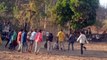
x=49 y=42
x=88 y=35
x=47 y=37
x=23 y=41
x=9 y=37
x=71 y=41
x=56 y=45
x=50 y=37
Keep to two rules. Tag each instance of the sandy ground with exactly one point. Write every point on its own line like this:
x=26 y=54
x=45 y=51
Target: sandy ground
x=95 y=51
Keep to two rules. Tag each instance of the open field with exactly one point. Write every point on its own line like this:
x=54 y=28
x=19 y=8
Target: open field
x=95 y=51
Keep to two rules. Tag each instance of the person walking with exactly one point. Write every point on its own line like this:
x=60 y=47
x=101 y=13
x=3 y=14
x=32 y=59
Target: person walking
x=14 y=44
x=23 y=41
x=13 y=40
x=71 y=41
x=61 y=38
x=49 y=42
x=44 y=38
x=28 y=40
x=32 y=38
x=82 y=40
x=19 y=40
x=9 y=37
x=38 y=40
x=47 y=36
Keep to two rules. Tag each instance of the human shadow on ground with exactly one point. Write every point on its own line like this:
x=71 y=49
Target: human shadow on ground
x=87 y=53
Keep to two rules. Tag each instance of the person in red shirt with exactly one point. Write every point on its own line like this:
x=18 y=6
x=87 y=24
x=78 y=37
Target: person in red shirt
x=38 y=40
x=19 y=39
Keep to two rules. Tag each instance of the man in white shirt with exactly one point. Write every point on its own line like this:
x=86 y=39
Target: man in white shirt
x=32 y=38
x=82 y=40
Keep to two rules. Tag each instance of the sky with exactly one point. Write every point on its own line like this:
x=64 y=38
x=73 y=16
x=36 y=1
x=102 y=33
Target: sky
x=103 y=3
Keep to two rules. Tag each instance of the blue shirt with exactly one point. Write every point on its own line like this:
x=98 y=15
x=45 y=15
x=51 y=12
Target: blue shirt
x=71 y=38
x=24 y=37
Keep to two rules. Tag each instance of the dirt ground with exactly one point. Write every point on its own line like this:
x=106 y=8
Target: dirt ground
x=95 y=51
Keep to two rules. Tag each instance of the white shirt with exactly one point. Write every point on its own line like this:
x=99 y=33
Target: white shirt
x=32 y=37
x=82 y=39
x=6 y=28
x=47 y=33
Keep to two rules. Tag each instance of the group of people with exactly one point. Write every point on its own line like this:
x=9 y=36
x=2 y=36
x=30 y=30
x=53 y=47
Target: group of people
x=24 y=40
x=31 y=41
x=72 y=38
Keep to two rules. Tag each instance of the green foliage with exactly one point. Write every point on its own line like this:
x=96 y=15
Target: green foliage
x=9 y=5
x=85 y=12
x=37 y=6
x=2 y=8
x=63 y=12
x=80 y=13
x=16 y=12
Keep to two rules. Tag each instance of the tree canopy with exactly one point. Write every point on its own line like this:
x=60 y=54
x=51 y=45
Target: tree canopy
x=2 y=8
x=80 y=13
x=63 y=11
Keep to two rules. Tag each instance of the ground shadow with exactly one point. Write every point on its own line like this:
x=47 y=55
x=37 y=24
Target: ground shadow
x=87 y=53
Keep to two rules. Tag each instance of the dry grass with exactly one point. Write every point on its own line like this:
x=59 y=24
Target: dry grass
x=95 y=51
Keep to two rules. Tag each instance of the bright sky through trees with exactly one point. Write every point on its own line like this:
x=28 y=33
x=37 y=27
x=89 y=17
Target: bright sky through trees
x=103 y=3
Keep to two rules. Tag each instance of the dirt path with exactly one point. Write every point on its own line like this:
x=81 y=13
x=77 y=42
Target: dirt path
x=95 y=51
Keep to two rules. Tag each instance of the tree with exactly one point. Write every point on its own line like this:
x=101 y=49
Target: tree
x=38 y=7
x=80 y=13
x=2 y=8
x=16 y=12
x=42 y=9
x=63 y=11
x=30 y=12
x=84 y=12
